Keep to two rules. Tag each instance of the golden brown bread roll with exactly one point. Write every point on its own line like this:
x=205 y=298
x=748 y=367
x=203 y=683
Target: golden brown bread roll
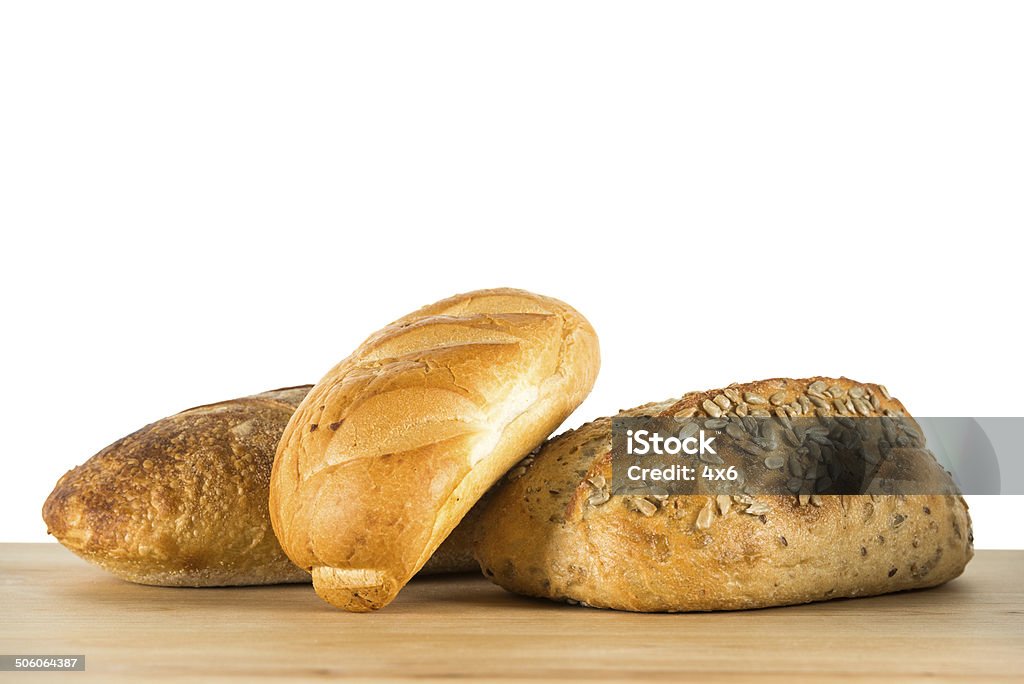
x=553 y=529
x=389 y=451
x=183 y=501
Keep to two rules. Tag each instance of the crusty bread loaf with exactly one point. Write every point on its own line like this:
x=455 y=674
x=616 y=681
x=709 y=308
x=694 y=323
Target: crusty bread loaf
x=391 y=449
x=183 y=501
x=552 y=528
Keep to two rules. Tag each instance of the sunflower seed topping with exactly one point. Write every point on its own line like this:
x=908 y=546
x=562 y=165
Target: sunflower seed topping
x=712 y=408
x=713 y=459
x=688 y=430
x=751 y=448
x=812 y=441
x=757 y=508
x=735 y=431
x=516 y=473
x=600 y=494
x=642 y=506
x=724 y=502
x=705 y=517
x=819 y=402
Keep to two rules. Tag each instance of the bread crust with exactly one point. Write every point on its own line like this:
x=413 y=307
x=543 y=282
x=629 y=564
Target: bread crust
x=183 y=501
x=546 y=532
x=395 y=444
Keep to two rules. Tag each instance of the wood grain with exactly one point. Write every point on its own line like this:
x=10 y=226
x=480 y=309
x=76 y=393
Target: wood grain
x=466 y=628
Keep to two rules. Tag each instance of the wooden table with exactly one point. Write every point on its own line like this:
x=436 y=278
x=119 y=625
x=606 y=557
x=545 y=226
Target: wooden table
x=463 y=627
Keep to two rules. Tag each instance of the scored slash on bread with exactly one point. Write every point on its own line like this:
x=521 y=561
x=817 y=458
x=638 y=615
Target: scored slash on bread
x=396 y=443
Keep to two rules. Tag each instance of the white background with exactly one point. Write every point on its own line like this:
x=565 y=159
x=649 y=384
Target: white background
x=201 y=200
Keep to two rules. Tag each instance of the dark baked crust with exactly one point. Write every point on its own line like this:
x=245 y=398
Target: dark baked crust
x=183 y=501
x=547 y=531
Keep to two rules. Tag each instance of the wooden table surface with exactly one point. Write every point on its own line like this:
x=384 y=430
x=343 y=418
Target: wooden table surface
x=463 y=627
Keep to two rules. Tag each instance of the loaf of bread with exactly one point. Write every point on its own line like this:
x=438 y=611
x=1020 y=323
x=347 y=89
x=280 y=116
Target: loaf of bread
x=396 y=443
x=552 y=528
x=183 y=501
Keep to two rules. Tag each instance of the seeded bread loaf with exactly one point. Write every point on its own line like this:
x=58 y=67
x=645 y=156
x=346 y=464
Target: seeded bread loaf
x=183 y=501
x=390 y=450
x=551 y=527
